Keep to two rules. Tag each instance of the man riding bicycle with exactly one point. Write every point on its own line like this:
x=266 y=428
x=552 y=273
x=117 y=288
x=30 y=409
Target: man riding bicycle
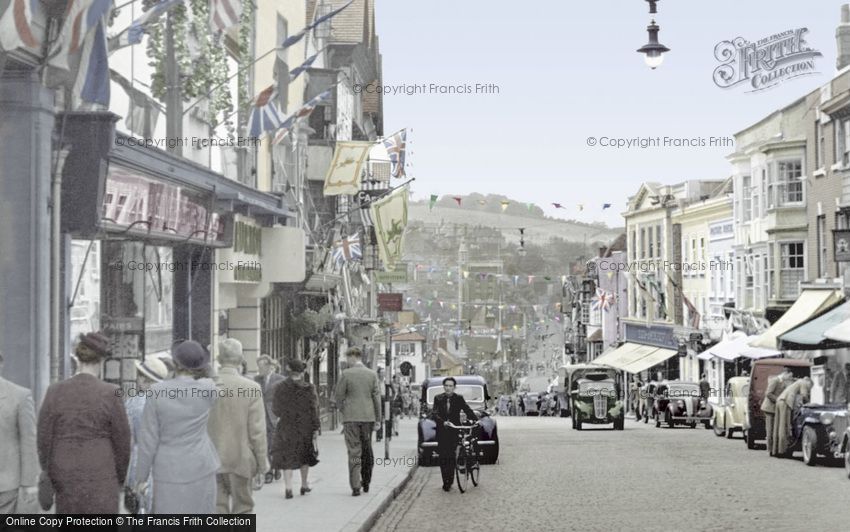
x=447 y=408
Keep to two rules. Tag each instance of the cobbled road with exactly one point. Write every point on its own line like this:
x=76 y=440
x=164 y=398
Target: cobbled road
x=552 y=478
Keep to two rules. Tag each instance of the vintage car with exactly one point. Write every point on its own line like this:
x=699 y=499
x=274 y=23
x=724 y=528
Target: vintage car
x=819 y=430
x=762 y=370
x=596 y=400
x=529 y=403
x=579 y=371
x=731 y=411
x=680 y=403
x=473 y=388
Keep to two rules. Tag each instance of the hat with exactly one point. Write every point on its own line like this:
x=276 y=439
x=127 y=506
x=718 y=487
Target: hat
x=191 y=355
x=95 y=342
x=153 y=368
x=295 y=365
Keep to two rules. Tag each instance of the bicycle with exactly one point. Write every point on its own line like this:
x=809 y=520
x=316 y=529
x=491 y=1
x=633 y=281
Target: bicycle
x=467 y=455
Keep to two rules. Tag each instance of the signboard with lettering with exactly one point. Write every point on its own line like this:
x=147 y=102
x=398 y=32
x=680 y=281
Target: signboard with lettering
x=841 y=241
x=393 y=277
x=656 y=335
x=389 y=302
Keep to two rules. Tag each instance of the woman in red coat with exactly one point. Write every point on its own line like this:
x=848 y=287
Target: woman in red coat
x=84 y=436
x=294 y=446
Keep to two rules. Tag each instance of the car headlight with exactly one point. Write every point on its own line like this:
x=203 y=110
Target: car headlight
x=826 y=418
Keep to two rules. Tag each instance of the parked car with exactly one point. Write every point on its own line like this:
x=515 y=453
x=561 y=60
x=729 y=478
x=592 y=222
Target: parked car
x=731 y=411
x=578 y=372
x=597 y=400
x=680 y=403
x=762 y=370
x=819 y=430
x=473 y=388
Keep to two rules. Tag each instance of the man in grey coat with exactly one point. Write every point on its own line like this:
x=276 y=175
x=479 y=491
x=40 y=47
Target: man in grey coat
x=358 y=396
x=268 y=380
x=18 y=457
x=775 y=387
x=237 y=427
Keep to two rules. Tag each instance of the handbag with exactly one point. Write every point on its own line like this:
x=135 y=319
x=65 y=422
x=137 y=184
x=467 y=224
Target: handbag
x=46 y=493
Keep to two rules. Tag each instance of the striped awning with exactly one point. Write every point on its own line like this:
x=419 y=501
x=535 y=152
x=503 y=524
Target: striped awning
x=657 y=356
x=812 y=301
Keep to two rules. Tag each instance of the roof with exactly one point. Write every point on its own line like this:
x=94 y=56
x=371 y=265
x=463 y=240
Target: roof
x=461 y=379
x=619 y=244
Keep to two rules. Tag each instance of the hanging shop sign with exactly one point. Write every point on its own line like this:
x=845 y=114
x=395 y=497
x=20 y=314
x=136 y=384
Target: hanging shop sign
x=394 y=277
x=841 y=241
x=389 y=302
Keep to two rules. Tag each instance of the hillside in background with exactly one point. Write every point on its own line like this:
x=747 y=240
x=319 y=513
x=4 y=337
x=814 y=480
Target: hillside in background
x=486 y=211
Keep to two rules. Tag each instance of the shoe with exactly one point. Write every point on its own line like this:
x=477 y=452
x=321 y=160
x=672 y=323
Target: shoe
x=447 y=487
x=355 y=492
x=288 y=494
x=365 y=488
x=307 y=490
x=269 y=478
x=277 y=474
x=395 y=433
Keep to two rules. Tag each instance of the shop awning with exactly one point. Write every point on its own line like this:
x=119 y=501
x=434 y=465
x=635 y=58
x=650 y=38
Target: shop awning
x=625 y=354
x=812 y=301
x=839 y=333
x=812 y=334
x=729 y=349
x=657 y=356
x=705 y=355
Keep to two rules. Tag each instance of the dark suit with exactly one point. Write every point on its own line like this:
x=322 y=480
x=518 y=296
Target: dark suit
x=268 y=383
x=448 y=408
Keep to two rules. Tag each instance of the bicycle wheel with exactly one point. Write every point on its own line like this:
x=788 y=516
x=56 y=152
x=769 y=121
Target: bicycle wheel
x=474 y=464
x=460 y=468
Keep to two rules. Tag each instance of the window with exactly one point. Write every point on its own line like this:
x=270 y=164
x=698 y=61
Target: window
x=749 y=279
x=694 y=256
x=791 y=268
x=756 y=196
x=701 y=258
x=842 y=142
x=405 y=349
x=643 y=242
x=634 y=244
x=651 y=244
x=819 y=162
x=821 y=235
x=789 y=174
x=747 y=199
x=658 y=240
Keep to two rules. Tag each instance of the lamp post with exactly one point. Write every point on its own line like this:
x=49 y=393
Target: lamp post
x=653 y=50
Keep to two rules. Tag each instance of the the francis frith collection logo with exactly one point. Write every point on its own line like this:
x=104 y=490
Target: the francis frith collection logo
x=764 y=63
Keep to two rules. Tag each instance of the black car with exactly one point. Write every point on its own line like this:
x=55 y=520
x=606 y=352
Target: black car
x=819 y=430
x=473 y=388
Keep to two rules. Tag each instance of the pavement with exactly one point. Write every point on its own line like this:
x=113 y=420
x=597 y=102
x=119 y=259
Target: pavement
x=330 y=506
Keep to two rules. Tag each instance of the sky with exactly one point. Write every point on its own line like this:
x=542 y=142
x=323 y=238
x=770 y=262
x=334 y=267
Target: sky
x=567 y=70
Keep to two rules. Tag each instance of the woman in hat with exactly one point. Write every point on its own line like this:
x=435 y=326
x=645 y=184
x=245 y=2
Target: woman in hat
x=149 y=371
x=294 y=446
x=173 y=444
x=84 y=435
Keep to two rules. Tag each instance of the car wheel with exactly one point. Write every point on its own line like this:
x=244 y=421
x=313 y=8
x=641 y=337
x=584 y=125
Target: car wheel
x=716 y=427
x=749 y=441
x=563 y=412
x=847 y=459
x=657 y=421
x=619 y=423
x=706 y=424
x=728 y=428
x=668 y=418
x=810 y=445
x=693 y=424
x=578 y=423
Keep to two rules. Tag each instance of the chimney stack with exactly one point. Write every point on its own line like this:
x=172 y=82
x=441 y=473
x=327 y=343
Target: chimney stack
x=842 y=38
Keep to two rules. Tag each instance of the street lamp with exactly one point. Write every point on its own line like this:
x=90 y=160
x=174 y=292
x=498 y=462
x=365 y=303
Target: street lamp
x=653 y=49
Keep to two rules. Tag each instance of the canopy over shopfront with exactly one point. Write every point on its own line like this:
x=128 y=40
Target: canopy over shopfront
x=738 y=346
x=813 y=334
x=634 y=358
x=812 y=301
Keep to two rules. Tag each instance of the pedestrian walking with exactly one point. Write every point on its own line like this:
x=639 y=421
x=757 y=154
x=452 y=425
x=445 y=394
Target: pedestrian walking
x=384 y=390
x=295 y=442
x=174 y=445
x=358 y=395
x=396 y=404
x=794 y=395
x=19 y=474
x=448 y=407
x=84 y=435
x=704 y=387
x=237 y=426
x=148 y=372
x=775 y=386
x=268 y=379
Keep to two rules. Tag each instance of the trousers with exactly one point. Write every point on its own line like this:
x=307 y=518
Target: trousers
x=358 y=442
x=446 y=448
x=768 y=427
x=234 y=494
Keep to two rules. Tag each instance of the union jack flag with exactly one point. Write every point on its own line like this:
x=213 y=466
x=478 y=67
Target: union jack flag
x=224 y=13
x=16 y=25
x=304 y=111
x=264 y=114
x=395 y=149
x=347 y=249
x=602 y=301
x=81 y=18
